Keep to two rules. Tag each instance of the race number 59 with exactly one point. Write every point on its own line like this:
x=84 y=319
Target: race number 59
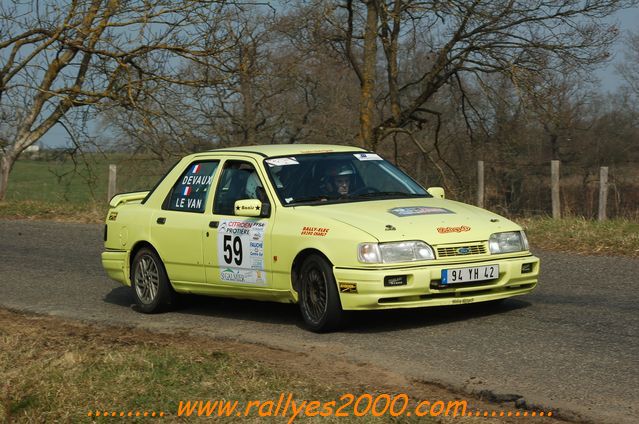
x=232 y=249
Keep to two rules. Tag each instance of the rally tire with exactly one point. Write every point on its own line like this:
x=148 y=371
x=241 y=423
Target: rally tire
x=318 y=297
x=152 y=290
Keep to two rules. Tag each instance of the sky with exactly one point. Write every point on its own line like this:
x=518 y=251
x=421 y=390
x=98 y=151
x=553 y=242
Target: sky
x=627 y=20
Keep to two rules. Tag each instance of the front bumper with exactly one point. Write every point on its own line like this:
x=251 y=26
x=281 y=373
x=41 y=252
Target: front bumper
x=364 y=288
x=115 y=264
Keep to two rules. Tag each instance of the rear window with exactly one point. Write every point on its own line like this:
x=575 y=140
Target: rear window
x=191 y=190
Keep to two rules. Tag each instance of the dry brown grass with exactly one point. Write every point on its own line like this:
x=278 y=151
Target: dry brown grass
x=53 y=211
x=613 y=237
x=56 y=370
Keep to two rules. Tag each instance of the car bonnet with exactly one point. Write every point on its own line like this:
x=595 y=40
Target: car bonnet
x=435 y=221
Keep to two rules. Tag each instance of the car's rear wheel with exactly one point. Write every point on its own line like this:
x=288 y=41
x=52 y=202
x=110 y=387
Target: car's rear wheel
x=319 y=300
x=151 y=287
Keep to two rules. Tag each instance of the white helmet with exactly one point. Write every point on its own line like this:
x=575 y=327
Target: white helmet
x=340 y=170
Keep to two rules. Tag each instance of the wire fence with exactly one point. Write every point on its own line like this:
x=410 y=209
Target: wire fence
x=521 y=190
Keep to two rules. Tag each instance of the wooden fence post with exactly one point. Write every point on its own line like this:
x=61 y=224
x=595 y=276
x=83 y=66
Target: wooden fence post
x=554 y=187
x=603 y=192
x=113 y=171
x=480 y=183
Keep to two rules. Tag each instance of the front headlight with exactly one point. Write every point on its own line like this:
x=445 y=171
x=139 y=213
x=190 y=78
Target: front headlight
x=508 y=242
x=403 y=251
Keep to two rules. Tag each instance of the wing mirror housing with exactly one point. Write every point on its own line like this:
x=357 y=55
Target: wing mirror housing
x=437 y=192
x=252 y=208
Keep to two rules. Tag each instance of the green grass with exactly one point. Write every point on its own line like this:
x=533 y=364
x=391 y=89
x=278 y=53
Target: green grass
x=64 y=181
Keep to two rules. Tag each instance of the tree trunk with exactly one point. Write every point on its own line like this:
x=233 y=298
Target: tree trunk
x=246 y=71
x=367 y=103
x=6 y=163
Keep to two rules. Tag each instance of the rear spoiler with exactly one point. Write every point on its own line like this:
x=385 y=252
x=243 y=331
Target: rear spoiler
x=127 y=197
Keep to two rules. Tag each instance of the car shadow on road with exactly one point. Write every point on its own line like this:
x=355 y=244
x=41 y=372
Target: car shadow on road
x=240 y=309
x=362 y=322
x=120 y=296
x=357 y=321
x=237 y=309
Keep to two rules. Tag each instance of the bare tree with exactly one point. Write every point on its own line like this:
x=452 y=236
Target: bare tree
x=558 y=102
x=59 y=55
x=629 y=69
x=471 y=38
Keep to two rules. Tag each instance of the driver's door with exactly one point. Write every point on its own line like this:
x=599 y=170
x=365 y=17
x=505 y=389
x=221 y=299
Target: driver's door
x=237 y=251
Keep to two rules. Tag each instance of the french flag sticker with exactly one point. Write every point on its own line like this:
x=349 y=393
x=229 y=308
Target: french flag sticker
x=187 y=190
x=196 y=169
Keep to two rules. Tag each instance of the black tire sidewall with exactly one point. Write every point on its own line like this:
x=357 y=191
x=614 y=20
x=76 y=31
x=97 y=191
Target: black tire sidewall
x=333 y=314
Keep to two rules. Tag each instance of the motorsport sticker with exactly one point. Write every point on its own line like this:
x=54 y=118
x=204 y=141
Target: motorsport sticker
x=240 y=251
x=282 y=161
x=367 y=156
x=446 y=230
x=314 y=231
x=348 y=287
x=418 y=210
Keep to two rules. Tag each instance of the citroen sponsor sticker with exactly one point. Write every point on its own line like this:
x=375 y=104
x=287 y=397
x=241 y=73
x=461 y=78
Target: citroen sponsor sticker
x=419 y=210
x=240 y=250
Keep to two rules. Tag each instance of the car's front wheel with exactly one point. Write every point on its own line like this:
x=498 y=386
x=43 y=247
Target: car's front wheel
x=319 y=299
x=151 y=288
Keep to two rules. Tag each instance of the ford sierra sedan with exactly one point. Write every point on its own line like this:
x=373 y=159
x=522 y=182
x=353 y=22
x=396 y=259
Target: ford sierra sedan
x=331 y=228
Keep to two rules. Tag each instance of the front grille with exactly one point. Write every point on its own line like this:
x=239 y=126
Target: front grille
x=469 y=250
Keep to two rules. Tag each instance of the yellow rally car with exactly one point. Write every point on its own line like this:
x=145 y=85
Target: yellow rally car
x=332 y=228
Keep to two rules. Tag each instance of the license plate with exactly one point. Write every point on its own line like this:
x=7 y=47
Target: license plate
x=469 y=275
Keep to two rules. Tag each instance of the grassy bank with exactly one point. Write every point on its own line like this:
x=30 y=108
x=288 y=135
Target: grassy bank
x=613 y=237
x=88 y=212
x=61 y=371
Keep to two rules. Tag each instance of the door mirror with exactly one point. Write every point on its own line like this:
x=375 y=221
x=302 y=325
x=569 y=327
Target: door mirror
x=437 y=192
x=252 y=207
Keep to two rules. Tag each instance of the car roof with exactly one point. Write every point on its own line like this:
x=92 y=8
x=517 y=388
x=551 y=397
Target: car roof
x=273 y=150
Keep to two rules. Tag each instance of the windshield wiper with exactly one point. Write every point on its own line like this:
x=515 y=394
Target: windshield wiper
x=309 y=199
x=385 y=194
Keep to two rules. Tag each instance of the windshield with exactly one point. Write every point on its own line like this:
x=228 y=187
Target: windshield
x=315 y=179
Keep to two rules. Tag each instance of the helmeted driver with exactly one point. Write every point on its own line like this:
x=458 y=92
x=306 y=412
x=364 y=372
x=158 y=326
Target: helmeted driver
x=339 y=179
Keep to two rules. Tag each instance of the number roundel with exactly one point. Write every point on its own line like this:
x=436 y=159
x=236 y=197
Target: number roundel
x=232 y=249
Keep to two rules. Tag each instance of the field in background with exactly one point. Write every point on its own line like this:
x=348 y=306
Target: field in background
x=60 y=188
x=81 y=179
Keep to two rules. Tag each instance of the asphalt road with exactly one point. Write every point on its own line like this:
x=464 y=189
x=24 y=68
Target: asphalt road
x=572 y=344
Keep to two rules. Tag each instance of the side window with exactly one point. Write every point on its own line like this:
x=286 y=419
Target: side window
x=190 y=192
x=239 y=180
